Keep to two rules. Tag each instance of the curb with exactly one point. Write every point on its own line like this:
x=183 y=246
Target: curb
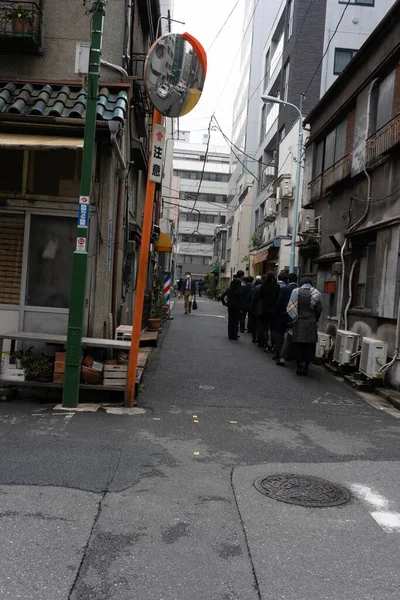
x=390 y=395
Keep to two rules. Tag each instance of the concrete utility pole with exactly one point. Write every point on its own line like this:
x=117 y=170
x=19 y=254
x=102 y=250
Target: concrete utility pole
x=80 y=258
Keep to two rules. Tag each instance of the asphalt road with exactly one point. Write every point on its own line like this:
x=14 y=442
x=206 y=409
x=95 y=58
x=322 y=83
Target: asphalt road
x=163 y=506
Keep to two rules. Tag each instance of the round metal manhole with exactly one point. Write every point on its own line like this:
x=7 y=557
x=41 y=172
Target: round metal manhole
x=303 y=490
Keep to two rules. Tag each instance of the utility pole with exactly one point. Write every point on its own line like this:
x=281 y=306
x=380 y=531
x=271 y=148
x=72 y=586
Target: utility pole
x=80 y=257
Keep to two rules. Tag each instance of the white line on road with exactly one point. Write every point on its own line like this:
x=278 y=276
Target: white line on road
x=369 y=495
x=207 y=315
x=389 y=521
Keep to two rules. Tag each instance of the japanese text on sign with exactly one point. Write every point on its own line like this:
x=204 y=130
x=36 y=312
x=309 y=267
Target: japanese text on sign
x=157 y=154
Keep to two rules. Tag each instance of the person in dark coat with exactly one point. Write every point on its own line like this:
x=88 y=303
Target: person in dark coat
x=256 y=313
x=233 y=299
x=247 y=287
x=304 y=309
x=281 y=317
x=269 y=294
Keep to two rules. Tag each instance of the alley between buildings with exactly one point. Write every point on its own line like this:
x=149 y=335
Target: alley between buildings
x=163 y=506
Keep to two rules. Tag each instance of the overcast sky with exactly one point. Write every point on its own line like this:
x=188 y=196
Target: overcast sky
x=203 y=20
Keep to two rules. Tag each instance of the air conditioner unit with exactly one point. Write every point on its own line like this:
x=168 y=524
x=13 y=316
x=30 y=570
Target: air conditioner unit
x=270 y=210
x=286 y=188
x=306 y=220
x=346 y=344
x=324 y=344
x=373 y=357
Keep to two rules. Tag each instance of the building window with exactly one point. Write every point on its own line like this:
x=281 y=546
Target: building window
x=11 y=170
x=358 y=2
x=266 y=69
x=183 y=174
x=289 y=19
x=342 y=58
x=366 y=269
x=228 y=255
x=222 y=219
x=281 y=134
x=286 y=81
x=238 y=231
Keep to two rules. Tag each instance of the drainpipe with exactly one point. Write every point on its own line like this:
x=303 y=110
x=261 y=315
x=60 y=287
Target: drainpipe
x=104 y=63
x=115 y=127
x=353 y=227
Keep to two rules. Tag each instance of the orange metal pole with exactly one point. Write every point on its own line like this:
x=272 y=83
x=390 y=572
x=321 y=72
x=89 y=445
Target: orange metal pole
x=141 y=280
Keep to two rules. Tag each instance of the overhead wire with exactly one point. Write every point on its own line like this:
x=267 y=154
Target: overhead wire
x=225 y=22
x=327 y=46
x=236 y=55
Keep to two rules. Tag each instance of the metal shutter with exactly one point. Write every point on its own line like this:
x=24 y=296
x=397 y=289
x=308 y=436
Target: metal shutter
x=11 y=248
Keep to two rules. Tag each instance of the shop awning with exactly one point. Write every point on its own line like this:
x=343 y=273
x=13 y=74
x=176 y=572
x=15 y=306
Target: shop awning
x=164 y=243
x=39 y=142
x=215 y=269
x=260 y=256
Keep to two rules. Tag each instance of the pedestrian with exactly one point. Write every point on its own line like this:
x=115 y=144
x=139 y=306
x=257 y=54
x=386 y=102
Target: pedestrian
x=247 y=287
x=304 y=309
x=257 y=331
x=269 y=294
x=282 y=319
x=282 y=279
x=189 y=290
x=233 y=299
x=240 y=275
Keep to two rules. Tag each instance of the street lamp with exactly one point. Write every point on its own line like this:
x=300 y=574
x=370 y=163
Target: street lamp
x=298 y=172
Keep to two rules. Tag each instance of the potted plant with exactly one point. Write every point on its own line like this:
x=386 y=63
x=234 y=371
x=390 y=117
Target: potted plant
x=37 y=368
x=157 y=311
x=21 y=19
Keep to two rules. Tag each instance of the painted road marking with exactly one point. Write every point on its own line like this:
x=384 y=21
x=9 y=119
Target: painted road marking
x=196 y=453
x=207 y=315
x=388 y=520
x=195 y=421
x=233 y=422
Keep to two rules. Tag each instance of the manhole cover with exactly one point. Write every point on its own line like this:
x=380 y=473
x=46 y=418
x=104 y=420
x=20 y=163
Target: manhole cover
x=206 y=387
x=303 y=490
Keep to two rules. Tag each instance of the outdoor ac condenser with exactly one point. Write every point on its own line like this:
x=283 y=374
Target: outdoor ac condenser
x=323 y=345
x=346 y=344
x=373 y=357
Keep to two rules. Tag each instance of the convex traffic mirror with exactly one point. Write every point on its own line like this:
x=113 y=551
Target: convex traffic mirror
x=175 y=72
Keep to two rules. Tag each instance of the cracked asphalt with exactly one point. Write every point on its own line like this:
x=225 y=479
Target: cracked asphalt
x=163 y=507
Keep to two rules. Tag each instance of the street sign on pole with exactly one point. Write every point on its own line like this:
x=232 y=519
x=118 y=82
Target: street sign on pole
x=79 y=262
x=157 y=154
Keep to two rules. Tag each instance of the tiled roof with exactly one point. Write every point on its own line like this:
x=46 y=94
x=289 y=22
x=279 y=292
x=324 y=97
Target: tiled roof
x=57 y=101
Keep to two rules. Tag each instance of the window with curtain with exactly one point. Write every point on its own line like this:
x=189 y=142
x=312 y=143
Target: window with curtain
x=342 y=58
x=366 y=269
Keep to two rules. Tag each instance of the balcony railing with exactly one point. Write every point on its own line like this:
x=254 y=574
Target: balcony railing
x=20 y=25
x=338 y=171
x=383 y=140
x=142 y=103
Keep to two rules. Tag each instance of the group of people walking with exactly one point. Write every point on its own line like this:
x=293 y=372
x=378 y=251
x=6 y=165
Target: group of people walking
x=281 y=316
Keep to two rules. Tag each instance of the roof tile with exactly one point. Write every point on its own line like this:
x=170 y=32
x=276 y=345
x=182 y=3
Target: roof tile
x=60 y=101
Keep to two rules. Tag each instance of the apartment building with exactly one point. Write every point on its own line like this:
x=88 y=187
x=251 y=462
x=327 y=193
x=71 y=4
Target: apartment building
x=350 y=226
x=304 y=52
x=200 y=209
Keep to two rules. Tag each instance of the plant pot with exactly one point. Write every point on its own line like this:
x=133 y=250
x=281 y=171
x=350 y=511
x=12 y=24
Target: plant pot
x=90 y=376
x=154 y=323
x=20 y=25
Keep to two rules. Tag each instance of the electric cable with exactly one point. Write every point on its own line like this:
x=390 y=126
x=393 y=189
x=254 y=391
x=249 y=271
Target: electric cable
x=327 y=46
x=225 y=22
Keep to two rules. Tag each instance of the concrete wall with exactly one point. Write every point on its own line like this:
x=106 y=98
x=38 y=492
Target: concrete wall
x=65 y=24
x=355 y=27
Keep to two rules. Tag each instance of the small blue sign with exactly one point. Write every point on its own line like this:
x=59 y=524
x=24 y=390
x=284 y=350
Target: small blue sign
x=83 y=215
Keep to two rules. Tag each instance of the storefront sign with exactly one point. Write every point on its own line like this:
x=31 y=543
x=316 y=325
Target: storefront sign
x=81 y=244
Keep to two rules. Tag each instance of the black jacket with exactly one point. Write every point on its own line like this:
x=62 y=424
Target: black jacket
x=269 y=294
x=255 y=301
x=192 y=286
x=233 y=298
x=283 y=299
x=247 y=290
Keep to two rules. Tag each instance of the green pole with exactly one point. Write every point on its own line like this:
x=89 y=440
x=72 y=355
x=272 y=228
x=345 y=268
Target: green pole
x=80 y=257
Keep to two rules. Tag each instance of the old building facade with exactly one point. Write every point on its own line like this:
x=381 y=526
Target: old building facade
x=350 y=226
x=42 y=117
